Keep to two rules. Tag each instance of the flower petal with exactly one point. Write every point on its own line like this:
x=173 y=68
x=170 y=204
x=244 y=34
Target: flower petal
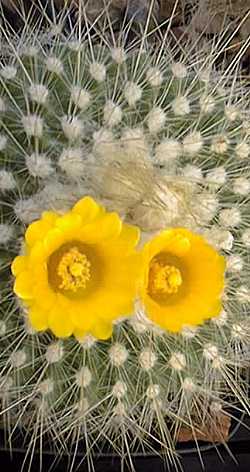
x=36 y=231
x=79 y=333
x=69 y=222
x=107 y=227
x=38 y=318
x=53 y=240
x=19 y=264
x=173 y=241
x=102 y=330
x=45 y=296
x=60 y=323
x=128 y=239
x=88 y=209
x=23 y=286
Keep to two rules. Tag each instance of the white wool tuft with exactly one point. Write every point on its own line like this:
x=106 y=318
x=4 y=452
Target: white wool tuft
x=241 y=186
x=238 y=332
x=219 y=238
x=118 y=54
x=181 y=106
x=242 y=150
x=18 y=358
x=39 y=165
x=243 y=294
x=217 y=176
x=6 y=233
x=87 y=341
x=80 y=97
x=105 y=145
x=8 y=72
x=230 y=217
x=220 y=144
x=112 y=114
x=54 y=353
x=177 y=361
x=192 y=143
x=154 y=76
x=192 y=172
x=153 y=391
x=38 y=93
x=71 y=161
x=207 y=104
x=53 y=64
x=119 y=389
x=231 y=113
x=188 y=384
x=206 y=207
x=167 y=151
x=118 y=354
x=132 y=93
x=97 y=71
x=72 y=127
x=210 y=352
x=156 y=120
x=46 y=386
x=234 y=263
x=134 y=144
x=83 y=377
x=33 y=125
x=221 y=319
x=179 y=70
x=147 y=359
x=246 y=237
x=7 y=181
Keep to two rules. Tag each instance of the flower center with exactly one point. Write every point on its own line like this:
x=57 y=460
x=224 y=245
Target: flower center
x=163 y=279
x=74 y=270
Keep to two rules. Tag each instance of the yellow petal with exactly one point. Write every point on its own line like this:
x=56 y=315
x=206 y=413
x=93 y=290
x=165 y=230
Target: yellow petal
x=83 y=313
x=69 y=221
x=19 y=264
x=79 y=333
x=60 y=322
x=38 y=318
x=172 y=241
x=102 y=330
x=45 y=296
x=128 y=239
x=36 y=231
x=23 y=286
x=122 y=279
x=37 y=254
x=53 y=240
x=50 y=217
x=88 y=209
x=107 y=227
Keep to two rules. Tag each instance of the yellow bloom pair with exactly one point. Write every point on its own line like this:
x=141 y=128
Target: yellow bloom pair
x=81 y=271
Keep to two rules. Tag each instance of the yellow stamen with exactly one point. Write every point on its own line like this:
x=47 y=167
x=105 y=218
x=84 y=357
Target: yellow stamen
x=74 y=270
x=163 y=279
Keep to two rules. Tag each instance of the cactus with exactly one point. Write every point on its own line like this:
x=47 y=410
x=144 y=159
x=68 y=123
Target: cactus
x=162 y=138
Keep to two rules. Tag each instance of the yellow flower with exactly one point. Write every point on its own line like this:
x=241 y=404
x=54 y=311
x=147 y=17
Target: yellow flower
x=183 y=279
x=78 y=272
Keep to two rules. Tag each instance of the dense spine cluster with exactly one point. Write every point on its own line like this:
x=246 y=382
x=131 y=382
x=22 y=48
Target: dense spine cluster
x=165 y=141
